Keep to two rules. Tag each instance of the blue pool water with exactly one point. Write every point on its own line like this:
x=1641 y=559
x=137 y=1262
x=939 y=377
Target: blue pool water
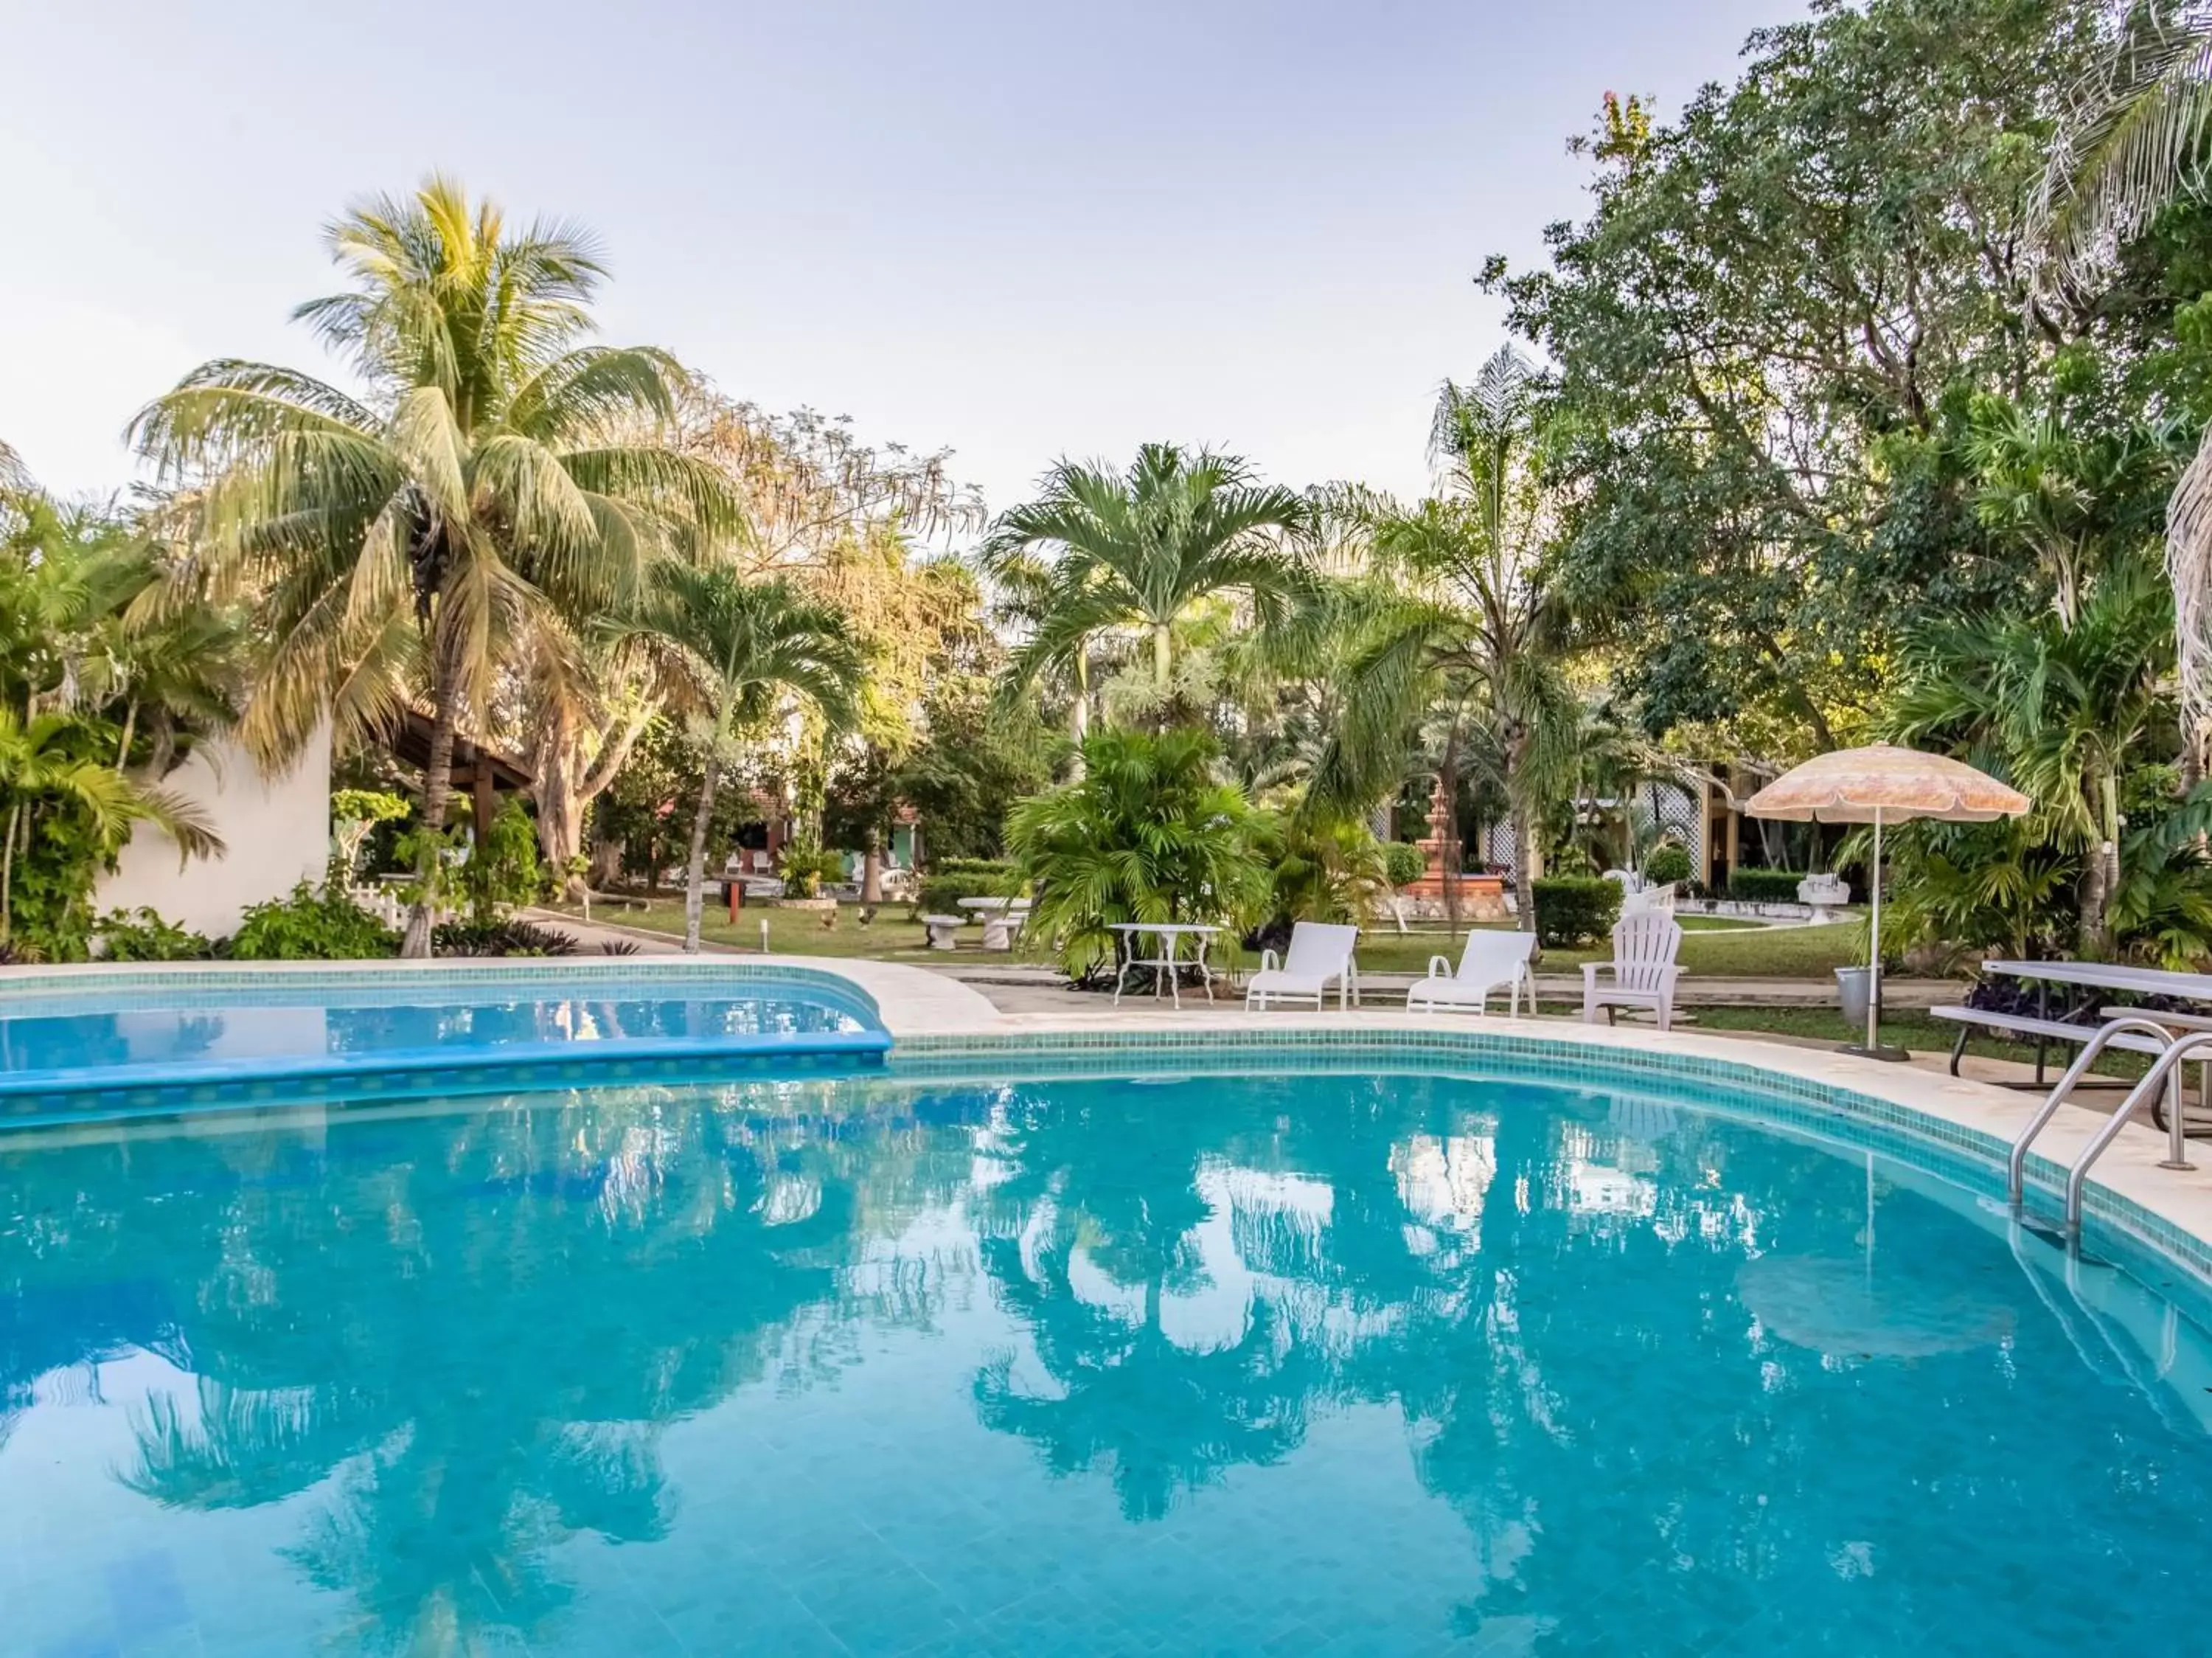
x=1284 y=1364
x=141 y=1035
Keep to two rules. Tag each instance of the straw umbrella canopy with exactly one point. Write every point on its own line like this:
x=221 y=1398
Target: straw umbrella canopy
x=1884 y=784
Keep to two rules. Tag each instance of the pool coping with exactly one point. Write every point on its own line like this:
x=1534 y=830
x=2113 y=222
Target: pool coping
x=939 y=1025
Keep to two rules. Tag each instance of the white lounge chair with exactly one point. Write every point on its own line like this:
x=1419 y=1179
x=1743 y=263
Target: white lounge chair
x=1491 y=961
x=1643 y=969
x=1319 y=952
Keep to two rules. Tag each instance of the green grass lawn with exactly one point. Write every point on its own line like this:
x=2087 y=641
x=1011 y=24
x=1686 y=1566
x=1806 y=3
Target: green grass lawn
x=1718 y=946
x=792 y=932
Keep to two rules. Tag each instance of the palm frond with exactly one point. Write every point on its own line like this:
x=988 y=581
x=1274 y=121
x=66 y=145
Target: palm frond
x=2134 y=140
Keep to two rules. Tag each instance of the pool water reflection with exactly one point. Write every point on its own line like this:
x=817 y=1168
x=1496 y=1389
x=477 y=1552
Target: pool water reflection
x=1295 y=1364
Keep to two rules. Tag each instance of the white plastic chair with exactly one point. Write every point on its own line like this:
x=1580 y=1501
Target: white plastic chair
x=1648 y=900
x=1319 y=951
x=1643 y=969
x=1491 y=960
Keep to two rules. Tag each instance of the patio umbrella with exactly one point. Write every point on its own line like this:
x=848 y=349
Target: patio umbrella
x=1884 y=784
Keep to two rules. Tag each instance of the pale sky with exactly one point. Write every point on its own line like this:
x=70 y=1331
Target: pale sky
x=1021 y=228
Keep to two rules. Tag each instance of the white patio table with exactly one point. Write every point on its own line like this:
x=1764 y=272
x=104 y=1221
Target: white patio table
x=1170 y=934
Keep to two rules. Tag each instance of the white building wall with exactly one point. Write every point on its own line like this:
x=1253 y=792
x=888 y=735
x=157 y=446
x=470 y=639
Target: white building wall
x=276 y=833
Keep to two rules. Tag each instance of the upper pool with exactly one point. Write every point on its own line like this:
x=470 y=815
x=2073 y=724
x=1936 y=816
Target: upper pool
x=1367 y=1360
x=218 y=1025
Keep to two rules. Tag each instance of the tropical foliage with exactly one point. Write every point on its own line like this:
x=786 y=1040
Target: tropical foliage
x=1118 y=560
x=472 y=503
x=1148 y=832
x=741 y=653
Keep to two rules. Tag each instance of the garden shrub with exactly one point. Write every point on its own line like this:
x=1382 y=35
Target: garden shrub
x=1407 y=862
x=940 y=894
x=1332 y=870
x=804 y=867
x=141 y=934
x=500 y=937
x=950 y=880
x=1668 y=862
x=1147 y=833
x=1573 y=909
x=311 y=926
x=503 y=869
x=1764 y=886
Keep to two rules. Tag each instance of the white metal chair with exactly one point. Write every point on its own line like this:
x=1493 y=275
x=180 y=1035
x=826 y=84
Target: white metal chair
x=1319 y=951
x=1490 y=961
x=1642 y=968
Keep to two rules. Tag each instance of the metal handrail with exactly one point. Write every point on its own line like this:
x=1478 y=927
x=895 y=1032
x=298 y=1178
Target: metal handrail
x=2016 y=1168
x=2163 y=1073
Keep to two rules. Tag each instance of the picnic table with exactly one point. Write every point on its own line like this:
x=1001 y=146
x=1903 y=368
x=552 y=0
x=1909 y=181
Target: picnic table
x=1169 y=962
x=2087 y=976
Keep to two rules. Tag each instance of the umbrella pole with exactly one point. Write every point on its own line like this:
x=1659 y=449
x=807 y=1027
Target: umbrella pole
x=1874 y=942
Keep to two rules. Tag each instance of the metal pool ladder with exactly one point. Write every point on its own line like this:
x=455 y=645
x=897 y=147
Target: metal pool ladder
x=2173 y=1052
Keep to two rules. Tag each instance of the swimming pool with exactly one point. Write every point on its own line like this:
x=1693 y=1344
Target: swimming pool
x=1387 y=1362
x=174 y=1028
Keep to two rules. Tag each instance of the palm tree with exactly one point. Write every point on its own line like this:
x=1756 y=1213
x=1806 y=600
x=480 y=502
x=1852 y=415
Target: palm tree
x=470 y=496
x=1147 y=832
x=2138 y=139
x=1100 y=552
x=736 y=651
x=1469 y=621
x=2064 y=712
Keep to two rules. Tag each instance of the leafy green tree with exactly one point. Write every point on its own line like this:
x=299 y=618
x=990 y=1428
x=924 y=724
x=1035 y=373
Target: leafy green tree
x=1146 y=833
x=1762 y=337
x=471 y=496
x=1469 y=619
x=1100 y=554
x=740 y=652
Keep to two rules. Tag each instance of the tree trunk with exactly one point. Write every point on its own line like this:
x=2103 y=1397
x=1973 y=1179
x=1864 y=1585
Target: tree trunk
x=566 y=786
x=1079 y=718
x=1447 y=871
x=7 y=875
x=2100 y=874
x=437 y=791
x=1528 y=862
x=695 y=878
x=130 y=730
x=871 y=868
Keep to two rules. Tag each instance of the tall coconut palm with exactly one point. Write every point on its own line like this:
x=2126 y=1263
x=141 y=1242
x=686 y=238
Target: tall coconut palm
x=422 y=529
x=1467 y=620
x=2139 y=137
x=737 y=651
x=1100 y=552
